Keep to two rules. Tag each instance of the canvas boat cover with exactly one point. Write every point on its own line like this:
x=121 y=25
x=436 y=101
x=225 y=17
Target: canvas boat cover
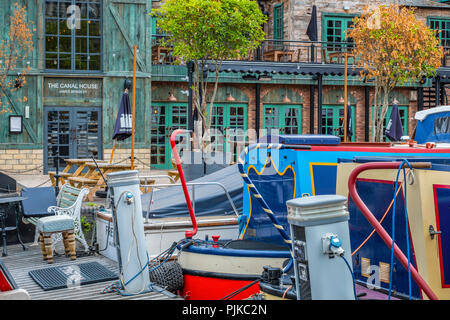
x=209 y=199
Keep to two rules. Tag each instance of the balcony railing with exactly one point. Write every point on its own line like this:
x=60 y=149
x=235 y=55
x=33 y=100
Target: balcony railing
x=282 y=51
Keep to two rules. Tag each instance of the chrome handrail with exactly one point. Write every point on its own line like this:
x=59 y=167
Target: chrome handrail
x=193 y=184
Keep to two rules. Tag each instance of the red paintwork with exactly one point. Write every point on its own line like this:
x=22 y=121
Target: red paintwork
x=211 y=288
x=188 y=233
x=4 y=283
x=377 y=148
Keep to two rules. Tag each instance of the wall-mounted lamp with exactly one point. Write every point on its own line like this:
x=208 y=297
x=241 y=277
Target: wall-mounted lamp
x=230 y=97
x=341 y=100
x=27 y=112
x=395 y=101
x=127 y=84
x=286 y=99
x=172 y=97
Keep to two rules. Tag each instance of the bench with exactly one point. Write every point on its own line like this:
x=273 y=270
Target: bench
x=68 y=202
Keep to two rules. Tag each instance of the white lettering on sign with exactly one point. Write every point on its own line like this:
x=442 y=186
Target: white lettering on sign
x=72 y=85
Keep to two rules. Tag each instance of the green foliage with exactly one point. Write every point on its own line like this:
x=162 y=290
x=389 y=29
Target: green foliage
x=85 y=224
x=211 y=29
x=209 y=32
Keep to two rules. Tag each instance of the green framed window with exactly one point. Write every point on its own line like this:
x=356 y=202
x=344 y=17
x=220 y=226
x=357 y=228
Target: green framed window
x=334 y=29
x=403 y=111
x=333 y=121
x=278 y=25
x=443 y=25
x=285 y=118
x=73 y=36
x=166 y=117
x=229 y=124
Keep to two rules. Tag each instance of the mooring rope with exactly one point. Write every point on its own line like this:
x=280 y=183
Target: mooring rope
x=257 y=194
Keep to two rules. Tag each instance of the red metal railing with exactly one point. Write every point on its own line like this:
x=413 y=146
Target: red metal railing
x=188 y=233
x=377 y=226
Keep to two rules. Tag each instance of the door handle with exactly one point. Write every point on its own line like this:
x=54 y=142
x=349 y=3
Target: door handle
x=433 y=232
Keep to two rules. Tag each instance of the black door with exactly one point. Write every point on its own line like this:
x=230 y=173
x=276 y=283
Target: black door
x=71 y=132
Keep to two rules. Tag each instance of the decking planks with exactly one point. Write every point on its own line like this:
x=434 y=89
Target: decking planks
x=20 y=262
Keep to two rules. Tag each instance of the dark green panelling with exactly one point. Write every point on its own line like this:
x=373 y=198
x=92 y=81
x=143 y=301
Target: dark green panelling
x=332 y=97
x=125 y=25
x=277 y=95
x=15 y=103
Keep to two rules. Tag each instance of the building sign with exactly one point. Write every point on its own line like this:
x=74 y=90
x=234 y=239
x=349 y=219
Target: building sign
x=72 y=88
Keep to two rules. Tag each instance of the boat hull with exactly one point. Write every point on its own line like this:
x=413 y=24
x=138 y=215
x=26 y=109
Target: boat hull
x=212 y=273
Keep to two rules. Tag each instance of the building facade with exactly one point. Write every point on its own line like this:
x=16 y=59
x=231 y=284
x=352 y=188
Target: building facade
x=83 y=54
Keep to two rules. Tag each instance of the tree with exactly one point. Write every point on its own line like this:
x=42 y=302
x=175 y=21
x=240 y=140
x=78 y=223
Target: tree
x=208 y=32
x=393 y=48
x=14 y=50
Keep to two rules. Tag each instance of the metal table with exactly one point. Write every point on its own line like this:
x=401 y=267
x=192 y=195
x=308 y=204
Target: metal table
x=7 y=202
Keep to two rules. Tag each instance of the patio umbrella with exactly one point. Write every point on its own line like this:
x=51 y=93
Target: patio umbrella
x=311 y=32
x=123 y=127
x=394 y=128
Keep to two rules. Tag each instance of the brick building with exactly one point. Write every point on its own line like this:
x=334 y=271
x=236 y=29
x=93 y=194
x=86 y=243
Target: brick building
x=289 y=83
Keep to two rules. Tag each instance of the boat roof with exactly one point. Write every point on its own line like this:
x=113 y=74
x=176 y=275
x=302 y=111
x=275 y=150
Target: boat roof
x=298 y=139
x=421 y=115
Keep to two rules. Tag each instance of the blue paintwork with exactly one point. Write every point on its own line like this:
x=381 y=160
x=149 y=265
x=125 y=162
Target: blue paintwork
x=322 y=163
x=426 y=131
x=281 y=175
x=443 y=209
x=377 y=196
x=209 y=249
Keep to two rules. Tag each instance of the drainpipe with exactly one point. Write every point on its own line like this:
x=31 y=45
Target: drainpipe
x=258 y=108
x=311 y=108
x=319 y=103
x=366 y=113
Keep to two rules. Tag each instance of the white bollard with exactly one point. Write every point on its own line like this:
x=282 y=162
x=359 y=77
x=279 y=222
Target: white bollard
x=132 y=251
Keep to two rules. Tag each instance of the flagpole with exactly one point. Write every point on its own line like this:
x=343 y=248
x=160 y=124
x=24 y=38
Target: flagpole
x=112 y=151
x=345 y=96
x=133 y=108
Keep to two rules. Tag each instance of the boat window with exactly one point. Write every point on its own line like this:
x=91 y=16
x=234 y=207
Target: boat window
x=442 y=125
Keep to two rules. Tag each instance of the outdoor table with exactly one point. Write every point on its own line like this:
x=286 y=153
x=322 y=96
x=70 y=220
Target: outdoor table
x=65 y=174
x=274 y=55
x=7 y=201
x=94 y=179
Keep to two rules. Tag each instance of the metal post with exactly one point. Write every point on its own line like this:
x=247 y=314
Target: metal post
x=366 y=113
x=311 y=108
x=345 y=95
x=319 y=103
x=419 y=98
x=438 y=91
x=190 y=67
x=258 y=108
x=133 y=107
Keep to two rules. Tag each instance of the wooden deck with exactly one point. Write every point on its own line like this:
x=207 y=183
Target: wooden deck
x=20 y=262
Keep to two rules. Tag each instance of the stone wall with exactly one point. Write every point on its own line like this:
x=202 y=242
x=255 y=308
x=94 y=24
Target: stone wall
x=22 y=161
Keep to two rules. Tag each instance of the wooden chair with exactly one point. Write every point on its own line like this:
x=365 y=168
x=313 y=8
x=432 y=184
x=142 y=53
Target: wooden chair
x=52 y=225
x=68 y=202
x=173 y=173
